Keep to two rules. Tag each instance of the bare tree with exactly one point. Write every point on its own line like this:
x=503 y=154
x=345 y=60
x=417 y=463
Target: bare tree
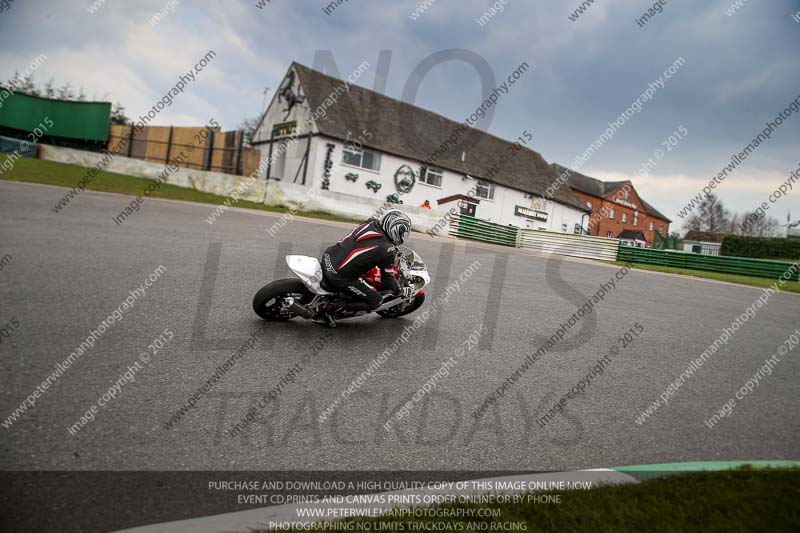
x=118 y=115
x=49 y=89
x=65 y=92
x=14 y=81
x=764 y=227
x=735 y=220
x=248 y=126
x=28 y=86
x=711 y=215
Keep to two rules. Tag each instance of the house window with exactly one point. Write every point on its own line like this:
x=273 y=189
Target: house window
x=624 y=217
x=539 y=203
x=431 y=176
x=652 y=226
x=635 y=218
x=485 y=190
x=611 y=214
x=608 y=234
x=361 y=158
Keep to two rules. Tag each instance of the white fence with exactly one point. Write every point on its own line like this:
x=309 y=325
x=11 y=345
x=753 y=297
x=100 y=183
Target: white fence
x=466 y=227
x=698 y=247
x=567 y=244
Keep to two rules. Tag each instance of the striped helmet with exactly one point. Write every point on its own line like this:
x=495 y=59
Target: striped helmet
x=396 y=225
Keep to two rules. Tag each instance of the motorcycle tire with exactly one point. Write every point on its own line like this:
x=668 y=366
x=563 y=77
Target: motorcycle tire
x=267 y=301
x=391 y=313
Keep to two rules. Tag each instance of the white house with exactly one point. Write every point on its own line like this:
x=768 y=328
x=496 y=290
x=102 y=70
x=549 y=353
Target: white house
x=319 y=131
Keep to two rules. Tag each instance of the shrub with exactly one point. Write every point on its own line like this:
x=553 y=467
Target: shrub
x=760 y=247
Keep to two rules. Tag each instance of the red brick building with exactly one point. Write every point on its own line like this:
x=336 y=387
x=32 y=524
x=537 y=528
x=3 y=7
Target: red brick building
x=617 y=209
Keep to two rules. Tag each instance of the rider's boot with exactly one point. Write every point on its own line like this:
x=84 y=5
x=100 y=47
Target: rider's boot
x=329 y=313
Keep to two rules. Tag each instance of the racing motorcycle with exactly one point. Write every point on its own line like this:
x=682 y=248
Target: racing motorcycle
x=307 y=296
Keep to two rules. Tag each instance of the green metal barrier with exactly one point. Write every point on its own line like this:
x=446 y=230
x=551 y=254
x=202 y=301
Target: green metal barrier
x=73 y=120
x=475 y=229
x=712 y=263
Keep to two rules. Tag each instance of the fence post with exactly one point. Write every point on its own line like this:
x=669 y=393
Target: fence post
x=269 y=156
x=239 y=154
x=130 y=140
x=209 y=149
x=169 y=143
x=308 y=157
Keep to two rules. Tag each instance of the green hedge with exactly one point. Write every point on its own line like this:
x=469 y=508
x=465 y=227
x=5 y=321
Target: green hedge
x=761 y=247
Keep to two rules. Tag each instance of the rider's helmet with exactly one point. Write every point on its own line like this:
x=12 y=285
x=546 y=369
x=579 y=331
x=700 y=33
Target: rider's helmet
x=396 y=225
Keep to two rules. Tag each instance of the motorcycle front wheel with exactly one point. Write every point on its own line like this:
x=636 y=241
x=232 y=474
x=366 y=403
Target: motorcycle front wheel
x=402 y=310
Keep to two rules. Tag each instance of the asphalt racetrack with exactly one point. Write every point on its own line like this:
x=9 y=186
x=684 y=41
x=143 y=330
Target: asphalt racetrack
x=70 y=271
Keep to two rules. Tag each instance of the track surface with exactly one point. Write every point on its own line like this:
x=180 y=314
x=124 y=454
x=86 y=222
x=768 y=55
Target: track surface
x=70 y=270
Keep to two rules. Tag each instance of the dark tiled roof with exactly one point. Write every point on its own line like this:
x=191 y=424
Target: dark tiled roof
x=652 y=211
x=631 y=234
x=408 y=131
x=589 y=185
x=704 y=236
x=599 y=188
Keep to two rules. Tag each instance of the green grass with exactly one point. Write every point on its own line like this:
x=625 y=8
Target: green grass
x=740 y=500
x=52 y=173
x=789 y=286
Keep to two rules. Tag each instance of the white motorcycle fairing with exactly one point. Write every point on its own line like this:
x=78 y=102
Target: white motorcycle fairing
x=309 y=270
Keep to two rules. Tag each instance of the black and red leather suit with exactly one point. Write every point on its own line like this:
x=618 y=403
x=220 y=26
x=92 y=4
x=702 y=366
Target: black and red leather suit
x=344 y=263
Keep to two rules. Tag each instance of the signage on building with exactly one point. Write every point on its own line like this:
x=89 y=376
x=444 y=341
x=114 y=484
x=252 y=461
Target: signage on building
x=284 y=129
x=626 y=203
x=527 y=212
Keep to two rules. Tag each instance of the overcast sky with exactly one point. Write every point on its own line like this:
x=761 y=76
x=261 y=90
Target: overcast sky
x=739 y=72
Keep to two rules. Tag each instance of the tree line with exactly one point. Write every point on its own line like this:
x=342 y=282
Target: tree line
x=711 y=215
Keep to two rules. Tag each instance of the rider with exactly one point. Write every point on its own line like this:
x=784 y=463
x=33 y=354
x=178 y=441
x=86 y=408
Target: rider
x=371 y=244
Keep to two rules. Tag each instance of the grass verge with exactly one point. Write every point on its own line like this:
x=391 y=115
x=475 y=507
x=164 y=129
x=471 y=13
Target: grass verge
x=739 y=500
x=64 y=175
x=789 y=286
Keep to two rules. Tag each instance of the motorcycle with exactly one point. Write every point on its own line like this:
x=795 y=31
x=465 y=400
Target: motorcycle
x=307 y=296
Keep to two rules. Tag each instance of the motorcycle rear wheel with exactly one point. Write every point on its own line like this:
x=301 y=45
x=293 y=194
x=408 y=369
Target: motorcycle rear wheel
x=268 y=301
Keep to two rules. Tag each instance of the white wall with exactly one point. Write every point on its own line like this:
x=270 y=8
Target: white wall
x=499 y=210
x=274 y=193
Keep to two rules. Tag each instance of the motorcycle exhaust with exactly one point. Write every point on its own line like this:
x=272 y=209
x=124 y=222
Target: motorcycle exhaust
x=298 y=309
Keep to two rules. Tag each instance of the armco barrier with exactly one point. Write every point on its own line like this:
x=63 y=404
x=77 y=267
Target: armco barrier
x=567 y=244
x=714 y=263
x=475 y=229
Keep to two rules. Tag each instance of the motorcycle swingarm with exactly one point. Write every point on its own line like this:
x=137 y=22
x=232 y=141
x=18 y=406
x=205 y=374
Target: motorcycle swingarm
x=391 y=303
